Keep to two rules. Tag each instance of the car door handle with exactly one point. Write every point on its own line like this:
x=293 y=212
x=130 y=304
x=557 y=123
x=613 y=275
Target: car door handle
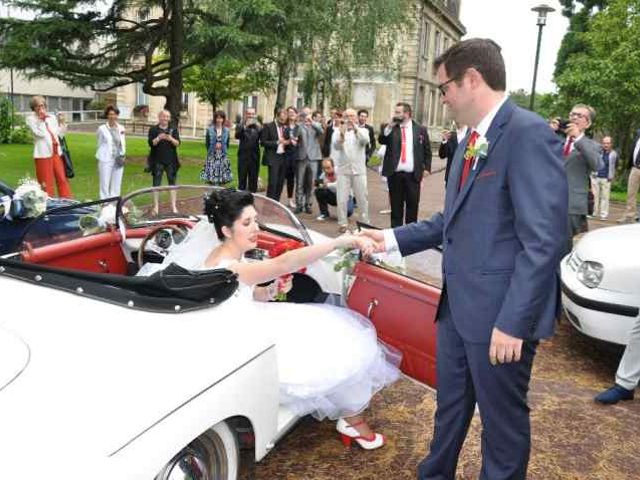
x=372 y=304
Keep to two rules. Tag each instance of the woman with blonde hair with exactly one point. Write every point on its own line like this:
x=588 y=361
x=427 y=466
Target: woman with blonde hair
x=46 y=149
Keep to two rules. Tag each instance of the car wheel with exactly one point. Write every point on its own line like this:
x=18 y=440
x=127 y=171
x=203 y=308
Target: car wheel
x=214 y=455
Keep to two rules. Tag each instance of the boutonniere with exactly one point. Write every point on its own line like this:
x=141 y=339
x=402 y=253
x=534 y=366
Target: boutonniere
x=478 y=151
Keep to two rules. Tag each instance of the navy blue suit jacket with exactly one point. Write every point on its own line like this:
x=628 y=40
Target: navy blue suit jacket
x=503 y=233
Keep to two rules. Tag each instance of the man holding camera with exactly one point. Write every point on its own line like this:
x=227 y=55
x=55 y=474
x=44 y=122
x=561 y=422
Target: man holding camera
x=407 y=159
x=310 y=158
x=248 y=133
x=450 y=141
x=581 y=157
x=349 y=144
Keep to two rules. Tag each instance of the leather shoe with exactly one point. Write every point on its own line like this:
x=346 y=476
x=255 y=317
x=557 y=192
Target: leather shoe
x=614 y=395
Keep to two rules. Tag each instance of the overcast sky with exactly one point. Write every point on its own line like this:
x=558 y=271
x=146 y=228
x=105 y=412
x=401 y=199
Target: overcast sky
x=512 y=24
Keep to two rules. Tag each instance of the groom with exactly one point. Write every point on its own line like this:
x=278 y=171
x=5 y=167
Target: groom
x=502 y=235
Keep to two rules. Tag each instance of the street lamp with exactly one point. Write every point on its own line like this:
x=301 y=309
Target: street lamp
x=542 y=11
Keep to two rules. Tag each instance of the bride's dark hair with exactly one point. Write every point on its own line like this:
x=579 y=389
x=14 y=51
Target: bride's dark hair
x=224 y=206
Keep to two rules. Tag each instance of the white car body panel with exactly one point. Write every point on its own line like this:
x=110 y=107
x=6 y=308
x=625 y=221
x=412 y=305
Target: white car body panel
x=616 y=248
x=101 y=375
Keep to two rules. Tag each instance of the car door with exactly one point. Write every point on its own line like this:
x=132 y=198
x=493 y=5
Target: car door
x=403 y=306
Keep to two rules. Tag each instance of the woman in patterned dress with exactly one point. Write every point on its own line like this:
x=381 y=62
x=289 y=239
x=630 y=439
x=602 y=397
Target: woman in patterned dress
x=217 y=168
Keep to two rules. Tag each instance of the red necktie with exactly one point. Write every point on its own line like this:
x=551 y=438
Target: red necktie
x=468 y=158
x=567 y=147
x=403 y=150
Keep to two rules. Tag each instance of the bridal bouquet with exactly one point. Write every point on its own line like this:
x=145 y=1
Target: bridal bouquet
x=32 y=197
x=278 y=249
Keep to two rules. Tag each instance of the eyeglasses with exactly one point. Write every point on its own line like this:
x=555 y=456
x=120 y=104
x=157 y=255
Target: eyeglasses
x=443 y=91
x=577 y=115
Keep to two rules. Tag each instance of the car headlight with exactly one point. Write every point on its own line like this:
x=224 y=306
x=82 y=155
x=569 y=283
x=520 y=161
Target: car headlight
x=590 y=273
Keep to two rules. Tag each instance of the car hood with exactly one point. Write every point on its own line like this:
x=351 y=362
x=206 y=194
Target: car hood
x=15 y=357
x=616 y=248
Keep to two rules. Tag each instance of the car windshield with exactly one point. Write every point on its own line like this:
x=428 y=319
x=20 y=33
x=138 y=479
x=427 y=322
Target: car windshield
x=155 y=205
x=70 y=222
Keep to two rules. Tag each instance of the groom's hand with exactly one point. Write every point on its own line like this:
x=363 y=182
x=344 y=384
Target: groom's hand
x=504 y=348
x=378 y=238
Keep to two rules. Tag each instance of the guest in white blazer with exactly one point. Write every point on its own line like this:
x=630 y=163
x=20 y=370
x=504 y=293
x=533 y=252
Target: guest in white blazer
x=111 y=154
x=46 y=149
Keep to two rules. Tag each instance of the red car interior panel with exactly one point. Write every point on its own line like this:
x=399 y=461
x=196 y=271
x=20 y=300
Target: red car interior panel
x=403 y=311
x=266 y=240
x=100 y=253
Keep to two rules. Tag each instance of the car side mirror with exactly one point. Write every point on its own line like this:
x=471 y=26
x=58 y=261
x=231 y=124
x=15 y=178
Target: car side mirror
x=17 y=209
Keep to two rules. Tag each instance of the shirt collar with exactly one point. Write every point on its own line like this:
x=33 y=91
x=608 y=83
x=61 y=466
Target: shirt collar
x=485 y=123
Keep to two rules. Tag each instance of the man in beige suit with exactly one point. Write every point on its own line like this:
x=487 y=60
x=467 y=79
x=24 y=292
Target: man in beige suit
x=350 y=143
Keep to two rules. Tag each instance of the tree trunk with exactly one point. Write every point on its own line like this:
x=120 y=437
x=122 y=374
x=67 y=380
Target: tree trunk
x=176 y=55
x=283 y=82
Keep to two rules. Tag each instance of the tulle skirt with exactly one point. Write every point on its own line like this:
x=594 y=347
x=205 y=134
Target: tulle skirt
x=330 y=361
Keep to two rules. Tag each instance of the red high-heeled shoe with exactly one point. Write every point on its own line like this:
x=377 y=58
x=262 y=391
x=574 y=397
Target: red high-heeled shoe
x=348 y=433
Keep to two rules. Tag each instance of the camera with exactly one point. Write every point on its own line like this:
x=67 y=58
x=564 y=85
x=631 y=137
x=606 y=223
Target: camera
x=563 y=124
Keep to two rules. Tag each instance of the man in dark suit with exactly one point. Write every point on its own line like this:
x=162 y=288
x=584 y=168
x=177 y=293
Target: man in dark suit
x=450 y=141
x=334 y=122
x=501 y=251
x=248 y=132
x=363 y=116
x=273 y=140
x=407 y=158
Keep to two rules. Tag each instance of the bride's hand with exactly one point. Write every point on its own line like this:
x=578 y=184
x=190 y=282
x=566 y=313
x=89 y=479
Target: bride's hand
x=366 y=245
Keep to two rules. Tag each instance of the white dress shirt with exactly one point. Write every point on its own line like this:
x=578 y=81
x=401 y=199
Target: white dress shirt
x=461 y=133
x=407 y=166
x=390 y=241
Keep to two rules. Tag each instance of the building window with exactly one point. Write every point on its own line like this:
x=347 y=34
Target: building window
x=185 y=101
x=250 y=102
x=424 y=41
x=141 y=97
x=438 y=46
x=432 y=107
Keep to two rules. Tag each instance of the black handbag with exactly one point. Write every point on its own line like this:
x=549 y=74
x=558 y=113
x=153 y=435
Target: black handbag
x=66 y=158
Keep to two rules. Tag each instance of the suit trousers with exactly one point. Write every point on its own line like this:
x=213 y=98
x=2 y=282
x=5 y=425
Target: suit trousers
x=248 y=170
x=631 y=213
x=404 y=196
x=277 y=173
x=110 y=176
x=50 y=172
x=601 y=193
x=304 y=183
x=466 y=377
x=357 y=183
x=628 y=374
x=325 y=197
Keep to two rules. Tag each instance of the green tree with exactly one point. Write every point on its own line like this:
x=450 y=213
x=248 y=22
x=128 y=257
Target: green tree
x=547 y=105
x=579 y=12
x=334 y=38
x=150 y=42
x=228 y=78
x=605 y=75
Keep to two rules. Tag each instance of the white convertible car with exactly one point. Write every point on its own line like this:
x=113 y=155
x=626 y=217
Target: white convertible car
x=109 y=375
x=601 y=283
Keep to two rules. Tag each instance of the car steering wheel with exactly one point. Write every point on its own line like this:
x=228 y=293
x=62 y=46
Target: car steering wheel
x=162 y=247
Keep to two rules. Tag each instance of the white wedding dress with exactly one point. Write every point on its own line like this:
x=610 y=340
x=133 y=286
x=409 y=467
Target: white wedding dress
x=330 y=362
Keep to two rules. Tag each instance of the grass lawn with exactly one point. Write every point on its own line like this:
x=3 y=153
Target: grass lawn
x=16 y=162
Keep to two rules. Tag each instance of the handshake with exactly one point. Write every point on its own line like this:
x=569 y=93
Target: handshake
x=369 y=242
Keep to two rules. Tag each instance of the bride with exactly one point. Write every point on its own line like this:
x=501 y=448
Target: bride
x=330 y=363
